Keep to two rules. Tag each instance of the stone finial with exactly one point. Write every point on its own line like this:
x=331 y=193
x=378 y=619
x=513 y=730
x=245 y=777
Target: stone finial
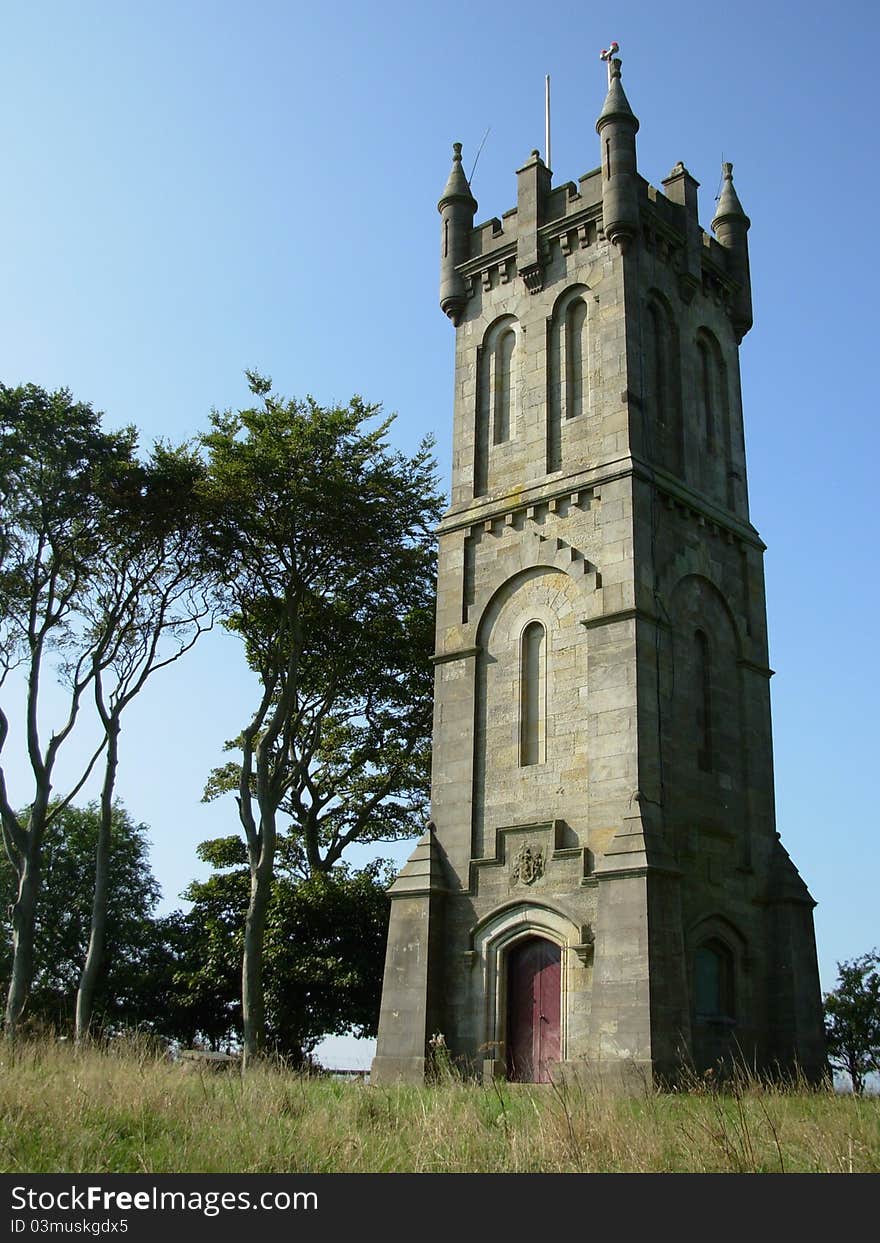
x=608 y=54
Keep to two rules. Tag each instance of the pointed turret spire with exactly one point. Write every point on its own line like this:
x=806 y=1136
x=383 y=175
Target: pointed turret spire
x=457 y=207
x=617 y=126
x=457 y=186
x=731 y=226
x=616 y=103
x=729 y=207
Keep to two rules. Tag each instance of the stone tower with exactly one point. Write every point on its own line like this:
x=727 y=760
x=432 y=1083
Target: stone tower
x=602 y=888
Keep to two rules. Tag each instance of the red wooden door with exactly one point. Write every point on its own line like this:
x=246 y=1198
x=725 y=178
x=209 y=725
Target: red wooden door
x=533 y=977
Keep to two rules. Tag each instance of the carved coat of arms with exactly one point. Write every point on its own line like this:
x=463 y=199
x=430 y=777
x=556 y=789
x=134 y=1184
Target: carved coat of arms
x=528 y=865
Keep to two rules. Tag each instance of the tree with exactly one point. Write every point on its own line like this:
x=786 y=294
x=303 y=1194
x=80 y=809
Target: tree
x=852 y=1019
x=330 y=574
x=151 y=601
x=133 y=937
x=323 y=953
x=55 y=463
x=101 y=567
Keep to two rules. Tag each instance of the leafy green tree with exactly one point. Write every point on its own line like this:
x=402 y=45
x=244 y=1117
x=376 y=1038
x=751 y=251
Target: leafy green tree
x=206 y=991
x=322 y=961
x=130 y=988
x=55 y=466
x=153 y=597
x=102 y=570
x=852 y=1019
x=327 y=539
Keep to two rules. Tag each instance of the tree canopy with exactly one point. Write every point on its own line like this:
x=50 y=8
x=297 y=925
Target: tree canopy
x=133 y=937
x=323 y=953
x=326 y=536
x=852 y=1019
x=315 y=537
x=104 y=578
x=57 y=470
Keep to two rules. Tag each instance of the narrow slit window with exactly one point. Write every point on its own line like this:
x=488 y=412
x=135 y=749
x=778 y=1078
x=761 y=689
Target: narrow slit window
x=707 y=396
x=503 y=386
x=533 y=694
x=713 y=982
x=575 y=324
x=657 y=374
x=704 y=702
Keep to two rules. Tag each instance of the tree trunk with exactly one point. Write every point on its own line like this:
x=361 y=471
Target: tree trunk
x=24 y=914
x=88 y=981
x=855 y=1073
x=252 y=1009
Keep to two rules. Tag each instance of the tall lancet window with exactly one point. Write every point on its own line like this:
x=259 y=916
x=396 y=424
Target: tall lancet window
x=533 y=695
x=496 y=412
x=714 y=982
x=503 y=386
x=575 y=321
x=707 y=395
x=704 y=701
x=661 y=383
x=657 y=353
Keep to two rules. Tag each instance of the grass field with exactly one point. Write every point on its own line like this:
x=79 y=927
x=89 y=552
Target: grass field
x=128 y=1110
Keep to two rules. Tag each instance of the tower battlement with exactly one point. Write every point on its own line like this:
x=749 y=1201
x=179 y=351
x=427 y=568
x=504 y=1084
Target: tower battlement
x=572 y=220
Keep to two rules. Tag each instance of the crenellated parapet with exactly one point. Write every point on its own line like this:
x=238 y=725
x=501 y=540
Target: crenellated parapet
x=612 y=203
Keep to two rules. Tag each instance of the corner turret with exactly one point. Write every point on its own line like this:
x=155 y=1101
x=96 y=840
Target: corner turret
x=457 y=207
x=617 y=126
x=731 y=226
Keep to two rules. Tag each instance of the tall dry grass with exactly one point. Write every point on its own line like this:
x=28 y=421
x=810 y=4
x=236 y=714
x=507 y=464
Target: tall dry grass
x=127 y=1109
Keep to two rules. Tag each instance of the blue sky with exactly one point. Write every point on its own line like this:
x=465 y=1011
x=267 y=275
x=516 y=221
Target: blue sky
x=195 y=188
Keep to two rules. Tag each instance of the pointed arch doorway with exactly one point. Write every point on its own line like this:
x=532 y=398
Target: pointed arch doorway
x=533 y=1009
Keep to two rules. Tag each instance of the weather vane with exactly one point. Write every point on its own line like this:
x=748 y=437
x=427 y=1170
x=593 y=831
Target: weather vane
x=608 y=54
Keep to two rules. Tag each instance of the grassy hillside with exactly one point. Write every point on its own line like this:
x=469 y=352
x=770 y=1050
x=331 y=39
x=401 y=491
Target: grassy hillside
x=127 y=1110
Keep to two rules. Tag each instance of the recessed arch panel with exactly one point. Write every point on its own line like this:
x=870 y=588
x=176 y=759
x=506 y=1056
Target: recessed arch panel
x=530 y=686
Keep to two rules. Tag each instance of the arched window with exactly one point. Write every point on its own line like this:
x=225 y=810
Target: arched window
x=712 y=393
x=496 y=422
x=533 y=694
x=575 y=357
x=568 y=371
x=714 y=982
x=708 y=395
x=661 y=383
x=703 y=700
x=503 y=386
x=657 y=364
